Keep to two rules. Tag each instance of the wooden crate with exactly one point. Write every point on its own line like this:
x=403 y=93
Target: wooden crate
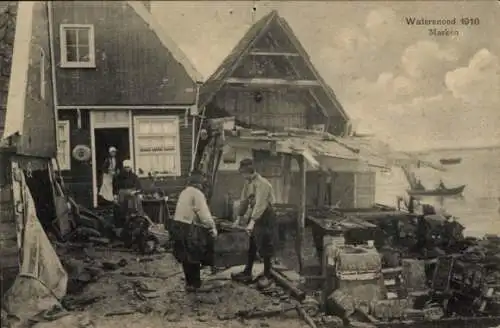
x=231 y=248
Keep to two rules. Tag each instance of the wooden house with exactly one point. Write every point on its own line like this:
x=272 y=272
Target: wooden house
x=268 y=82
x=28 y=136
x=120 y=81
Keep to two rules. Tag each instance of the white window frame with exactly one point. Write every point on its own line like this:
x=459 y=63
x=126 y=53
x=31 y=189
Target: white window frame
x=64 y=51
x=67 y=160
x=169 y=118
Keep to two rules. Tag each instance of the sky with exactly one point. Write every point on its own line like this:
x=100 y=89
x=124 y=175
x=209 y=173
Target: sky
x=411 y=90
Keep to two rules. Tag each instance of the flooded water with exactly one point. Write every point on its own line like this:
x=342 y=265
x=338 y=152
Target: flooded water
x=478 y=209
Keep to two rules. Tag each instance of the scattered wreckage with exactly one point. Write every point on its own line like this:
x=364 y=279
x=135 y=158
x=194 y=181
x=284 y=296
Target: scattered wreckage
x=372 y=274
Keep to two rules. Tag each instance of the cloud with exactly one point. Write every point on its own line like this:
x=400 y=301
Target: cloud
x=423 y=58
x=479 y=82
x=465 y=112
x=357 y=48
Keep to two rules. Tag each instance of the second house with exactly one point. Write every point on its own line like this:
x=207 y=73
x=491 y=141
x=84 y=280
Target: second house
x=119 y=81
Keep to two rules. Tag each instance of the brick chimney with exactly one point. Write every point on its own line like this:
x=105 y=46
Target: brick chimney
x=147 y=4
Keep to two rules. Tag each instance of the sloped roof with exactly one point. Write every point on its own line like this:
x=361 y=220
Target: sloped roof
x=317 y=148
x=216 y=80
x=8 y=10
x=167 y=42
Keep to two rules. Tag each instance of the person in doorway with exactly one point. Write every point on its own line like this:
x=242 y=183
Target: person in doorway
x=257 y=194
x=126 y=184
x=191 y=230
x=126 y=179
x=110 y=169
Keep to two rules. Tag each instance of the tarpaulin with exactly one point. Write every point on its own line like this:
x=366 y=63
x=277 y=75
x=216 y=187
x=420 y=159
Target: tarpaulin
x=42 y=280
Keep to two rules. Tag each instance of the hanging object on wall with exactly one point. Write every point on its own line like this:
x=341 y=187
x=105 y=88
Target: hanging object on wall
x=257 y=96
x=203 y=134
x=81 y=153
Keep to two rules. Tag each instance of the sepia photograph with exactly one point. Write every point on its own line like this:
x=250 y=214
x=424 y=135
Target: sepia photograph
x=265 y=164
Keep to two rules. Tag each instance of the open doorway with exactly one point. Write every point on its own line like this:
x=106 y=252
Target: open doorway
x=108 y=137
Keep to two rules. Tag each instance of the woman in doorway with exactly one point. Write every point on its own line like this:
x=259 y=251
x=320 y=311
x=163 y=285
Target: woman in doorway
x=109 y=170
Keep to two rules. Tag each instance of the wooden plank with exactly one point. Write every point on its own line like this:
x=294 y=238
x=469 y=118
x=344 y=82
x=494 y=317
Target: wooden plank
x=270 y=82
x=302 y=211
x=269 y=53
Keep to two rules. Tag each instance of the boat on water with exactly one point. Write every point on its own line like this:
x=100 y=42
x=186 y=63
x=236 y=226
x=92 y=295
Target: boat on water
x=450 y=161
x=437 y=192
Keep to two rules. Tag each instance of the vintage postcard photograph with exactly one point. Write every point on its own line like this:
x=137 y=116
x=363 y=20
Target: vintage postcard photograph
x=280 y=164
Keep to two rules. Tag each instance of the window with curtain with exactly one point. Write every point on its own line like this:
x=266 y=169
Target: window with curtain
x=157 y=146
x=63 y=146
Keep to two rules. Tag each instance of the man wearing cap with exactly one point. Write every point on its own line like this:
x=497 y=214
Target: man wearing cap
x=256 y=206
x=125 y=184
x=191 y=232
x=109 y=170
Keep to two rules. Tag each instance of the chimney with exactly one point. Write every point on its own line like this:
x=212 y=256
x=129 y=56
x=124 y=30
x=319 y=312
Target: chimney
x=147 y=4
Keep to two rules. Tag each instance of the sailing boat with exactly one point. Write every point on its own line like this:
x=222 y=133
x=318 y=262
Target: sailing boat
x=417 y=189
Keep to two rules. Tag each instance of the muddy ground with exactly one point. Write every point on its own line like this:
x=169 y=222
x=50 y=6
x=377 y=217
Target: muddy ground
x=128 y=290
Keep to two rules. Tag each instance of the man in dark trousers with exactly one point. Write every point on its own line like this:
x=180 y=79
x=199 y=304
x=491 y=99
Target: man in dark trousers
x=256 y=206
x=125 y=185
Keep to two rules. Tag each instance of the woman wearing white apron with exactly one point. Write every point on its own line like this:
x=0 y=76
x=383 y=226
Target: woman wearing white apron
x=109 y=171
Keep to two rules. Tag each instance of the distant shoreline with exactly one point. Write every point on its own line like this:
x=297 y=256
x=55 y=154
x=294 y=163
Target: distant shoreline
x=435 y=150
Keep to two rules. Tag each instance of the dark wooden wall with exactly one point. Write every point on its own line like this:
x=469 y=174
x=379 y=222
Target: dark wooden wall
x=79 y=178
x=38 y=135
x=277 y=109
x=132 y=65
x=9 y=259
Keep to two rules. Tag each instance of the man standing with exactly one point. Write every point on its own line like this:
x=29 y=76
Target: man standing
x=125 y=185
x=256 y=207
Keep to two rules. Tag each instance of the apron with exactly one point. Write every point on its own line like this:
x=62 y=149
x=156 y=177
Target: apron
x=106 y=190
x=192 y=243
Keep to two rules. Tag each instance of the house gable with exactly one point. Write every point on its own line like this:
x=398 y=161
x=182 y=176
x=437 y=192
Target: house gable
x=136 y=64
x=30 y=111
x=271 y=51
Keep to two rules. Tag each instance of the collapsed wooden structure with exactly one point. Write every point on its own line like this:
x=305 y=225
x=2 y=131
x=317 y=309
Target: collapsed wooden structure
x=310 y=150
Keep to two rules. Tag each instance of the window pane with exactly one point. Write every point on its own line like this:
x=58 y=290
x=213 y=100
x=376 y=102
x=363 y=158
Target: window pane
x=169 y=143
x=83 y=54
x=71 y=38
x=83 y=37
x=71 y=54
x=144 y=163
x=144 y=127
x=156 y=127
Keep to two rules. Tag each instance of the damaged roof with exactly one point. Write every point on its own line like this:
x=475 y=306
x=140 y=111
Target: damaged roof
x=324 y=93
x=8 y=13
x=320 y=149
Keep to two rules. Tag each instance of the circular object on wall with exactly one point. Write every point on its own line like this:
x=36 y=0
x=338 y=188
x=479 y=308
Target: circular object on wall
x=81 y=153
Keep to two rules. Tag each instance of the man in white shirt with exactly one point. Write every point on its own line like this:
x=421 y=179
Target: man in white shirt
x=191 y=230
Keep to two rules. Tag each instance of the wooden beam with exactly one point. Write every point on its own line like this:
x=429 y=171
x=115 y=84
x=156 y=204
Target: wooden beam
x=273 y=82
x=301 y=217
x=267 y=53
